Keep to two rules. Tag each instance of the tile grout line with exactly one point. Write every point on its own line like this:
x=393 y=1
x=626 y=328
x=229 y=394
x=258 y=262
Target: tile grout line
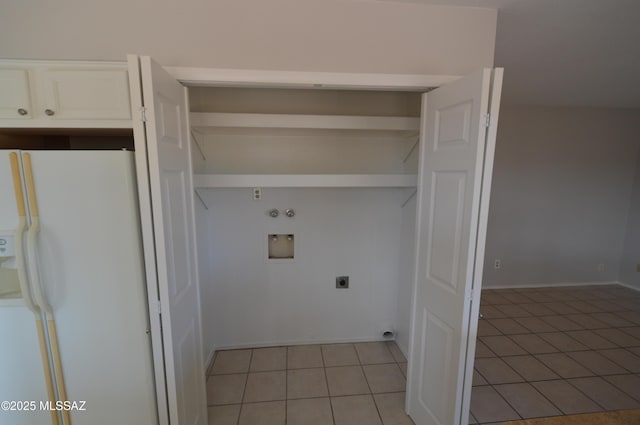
x=528 y=353
x=586 y=395
x=326 y=380
x=620 y=389
x=546 y=398
x=369 y=385
x=564 y=333
x=244 y=391
x=506 y=401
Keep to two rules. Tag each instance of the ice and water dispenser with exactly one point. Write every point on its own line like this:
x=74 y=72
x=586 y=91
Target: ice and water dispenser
x=9 y=284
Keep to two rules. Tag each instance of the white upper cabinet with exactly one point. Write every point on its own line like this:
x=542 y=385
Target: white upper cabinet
x=64 y=94
x=15 y=94
x=86 y=94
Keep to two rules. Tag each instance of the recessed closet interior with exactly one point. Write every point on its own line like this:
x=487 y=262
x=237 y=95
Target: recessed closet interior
x=345 y=162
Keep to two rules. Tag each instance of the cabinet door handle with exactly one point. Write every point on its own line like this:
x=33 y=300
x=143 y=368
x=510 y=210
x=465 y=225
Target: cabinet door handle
x=49 y=112
x=22 y=111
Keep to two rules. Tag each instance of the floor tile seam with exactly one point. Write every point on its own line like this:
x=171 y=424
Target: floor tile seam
x=263 y=401
x=355 y=348
x=537 y=380
x=388 y=350
x=586 y=395
x=484 y=336
x=607 y=358
x=568 y=336
x=617 y=344
x=529 y=381
x=224 y=404
x=248 y=372
x=377 y=364
x=615 y=362
x=529 y=351
x=621 y=389
x=565 y=352
x=326 y=380
x=607 y=340
x=488 y=348
x=544 y=397
x=246 y=382
x=506 y=401
x=286 y=383
x=509 y=366
x=371 y=391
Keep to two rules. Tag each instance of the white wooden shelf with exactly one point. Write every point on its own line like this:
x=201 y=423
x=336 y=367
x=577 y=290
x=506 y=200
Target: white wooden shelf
x=200 y=120
x=203 y=181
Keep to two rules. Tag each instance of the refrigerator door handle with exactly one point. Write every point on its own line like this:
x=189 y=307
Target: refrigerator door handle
x=22 y=226
x=32 y=234
x=37 y=287
x=24 y=282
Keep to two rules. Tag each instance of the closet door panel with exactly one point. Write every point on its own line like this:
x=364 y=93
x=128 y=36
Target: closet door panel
x=171 y=183
x=451 y=230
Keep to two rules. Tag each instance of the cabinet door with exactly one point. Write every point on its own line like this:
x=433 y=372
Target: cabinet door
x=15 y=101
x=85 y=94
x=456 y=160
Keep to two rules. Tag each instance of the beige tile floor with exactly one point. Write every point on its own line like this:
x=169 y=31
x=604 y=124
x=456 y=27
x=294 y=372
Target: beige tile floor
x=337 y=384
x=556 y=351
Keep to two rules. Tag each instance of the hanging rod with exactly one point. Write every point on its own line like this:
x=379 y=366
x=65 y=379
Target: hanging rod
x=413 y=147
x=200 y=198
x=409 y=198
x=195 y=140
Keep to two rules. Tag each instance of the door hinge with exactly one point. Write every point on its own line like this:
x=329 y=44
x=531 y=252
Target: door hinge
x=143 y=114
x=487 y=120
x=158 y=307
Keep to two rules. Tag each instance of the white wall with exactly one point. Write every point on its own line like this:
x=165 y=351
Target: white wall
x=406 y=266
x=560 y=196
x=250 y=301
x=305 y=35
x=631 y=256
x=205 y=274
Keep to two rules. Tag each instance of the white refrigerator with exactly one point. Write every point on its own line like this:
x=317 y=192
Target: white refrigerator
x=73 y=302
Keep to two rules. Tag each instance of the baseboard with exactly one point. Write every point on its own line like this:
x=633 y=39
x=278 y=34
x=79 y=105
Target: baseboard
x=299 y=342
x=404 y=350
x=556 y=284
x=629 y=286
x=209 y=361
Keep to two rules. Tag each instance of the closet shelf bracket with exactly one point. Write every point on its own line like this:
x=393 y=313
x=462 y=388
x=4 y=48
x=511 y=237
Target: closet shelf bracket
x=414 y=193
x=195 y=141
x=200 y=198
x=413 y=148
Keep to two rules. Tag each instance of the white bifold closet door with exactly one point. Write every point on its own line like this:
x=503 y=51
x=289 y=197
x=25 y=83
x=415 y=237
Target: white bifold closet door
x=170 y=181
x=456 y=161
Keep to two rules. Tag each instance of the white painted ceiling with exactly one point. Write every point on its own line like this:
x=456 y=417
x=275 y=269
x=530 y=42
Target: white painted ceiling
x=566 y=52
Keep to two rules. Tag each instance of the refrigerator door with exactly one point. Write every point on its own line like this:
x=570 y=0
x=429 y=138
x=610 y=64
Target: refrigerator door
x=21 y=374
x=90 y=262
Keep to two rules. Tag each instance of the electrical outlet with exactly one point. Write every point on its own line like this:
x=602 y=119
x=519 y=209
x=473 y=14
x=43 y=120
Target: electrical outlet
x=342 y=282
x=601 y=267
x=257 y=193
x=497 y=264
